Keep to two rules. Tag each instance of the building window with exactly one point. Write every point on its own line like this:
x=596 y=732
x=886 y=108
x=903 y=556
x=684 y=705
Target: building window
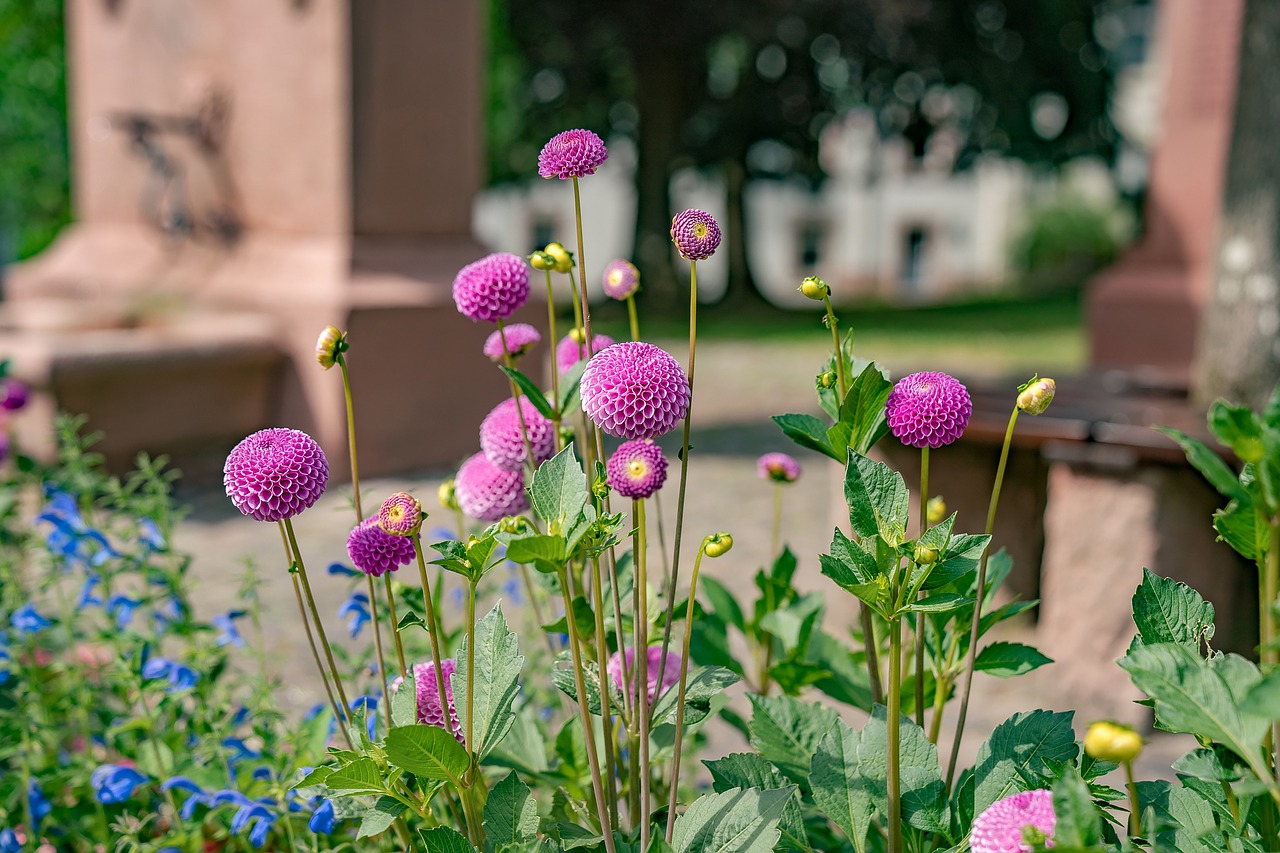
x=810 y=240
x=914 y=249
x=542 y=232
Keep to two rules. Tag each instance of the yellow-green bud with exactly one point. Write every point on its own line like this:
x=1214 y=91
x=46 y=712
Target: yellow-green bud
x=578 y=334
x=1111 y=741
x=826 y=379
x=925 y=555
x=600 y=488
x=542 y=261
x=513 y=524
x=562 y=257
x=448 y=494
x=331 y=344
x=815 y=288
x=1037 y=396
x=717 y=544
x=935 y=510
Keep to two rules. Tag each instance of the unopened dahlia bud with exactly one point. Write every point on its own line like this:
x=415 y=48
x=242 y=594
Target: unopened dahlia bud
x=542 y=261
x=1037 y=396
x=815 y=288
x=717 y=544
x=935 y=510
x=925 y=555
x=560 y=256
x=331 y=344
x=621 y=279
x=1110 y=741
x=696 y=234
x=448 y=494
x=401 y=515
x=826 y=379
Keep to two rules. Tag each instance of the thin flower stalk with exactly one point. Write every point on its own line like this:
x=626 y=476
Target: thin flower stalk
x=920 y=620
x=641 y=646
x=315 y=615
x=433 y=627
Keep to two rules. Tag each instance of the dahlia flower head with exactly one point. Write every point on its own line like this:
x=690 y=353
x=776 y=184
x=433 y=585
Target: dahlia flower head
x=570 y=351
x=489 y=493
x=401 y=515
x=275 y=474
x=374 y=551
x=696 y=234
x=778 y=467
x=502 y=441
x=928 y=409
x=637 y=468
x=13 y=394
x=660 y=678
x=621 y=279
x=492 y=288
x=1000 y=828
x=572 y=154
x=431 y=711
x=520 y=339
x=635 y=390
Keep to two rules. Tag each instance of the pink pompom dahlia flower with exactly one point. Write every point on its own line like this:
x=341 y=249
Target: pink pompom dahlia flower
x=778 y=467
x=696 y=234
x=660 y=679
x=275 y=474
x=635 y=390
x=431 y=711
x=489 y=493
x=621 y=279
x=520 y=338
x=1001 y=828
x=492 y=288
x=637 y=468
x=572 y=154
x=928 y=409
x=501 y=438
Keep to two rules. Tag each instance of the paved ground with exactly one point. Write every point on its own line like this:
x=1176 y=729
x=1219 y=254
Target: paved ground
x=738 y=386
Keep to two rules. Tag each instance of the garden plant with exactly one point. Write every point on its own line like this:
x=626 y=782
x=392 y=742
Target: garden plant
x=126 y=723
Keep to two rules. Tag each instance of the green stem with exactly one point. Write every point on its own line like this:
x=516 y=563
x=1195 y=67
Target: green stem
x=24 y=723
x=433 y=628
x=1135 y=811
x=301 y=577
x=515 y=395
x=1270 y=654
x=153 y=739
x=775 y=540
x=893 y=722
x=631 y=315
x=975 y=621
x=582 y=269
x=395 y=625
x=602 y=663
x=919 y=620
x=555 y=368
x=684 y=468
x=869 y=650
x=377 y=642
x=351 y=435
x=674 y=794
x=641 y=679
x=841 y=381
x=471 y=679
x=940 y=689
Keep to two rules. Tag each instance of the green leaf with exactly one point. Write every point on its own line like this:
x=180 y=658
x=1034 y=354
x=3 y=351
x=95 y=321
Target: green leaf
x=1238 y=427
x=793 y=624
x=1205 y=460
x=963 y=553
x=404 y=702
x=807 y=431
x=924 y=798
x=723 y=604
x=1263 y=699
x=497 y=682
x=748 y=770
x=442 y=839
x=559 y=490
x=548 y=554
x=838 y=788
x=1208 y=763
x=1006 y=660
x=1184 y=819
x=570 y=399
x=703 y=684
x=1079 y=824
x=1015 y=757
x=359 y=777
x=734 y=821
x=1237 y=525
x=787 y=731
x=427 y=751
x=1167 y=611
x=862 y=421
x=878 y=499
x=510 y=814
x=943 y=602
x=378 y=818
x=530 y=390
x=574 y=837
x=524 y=748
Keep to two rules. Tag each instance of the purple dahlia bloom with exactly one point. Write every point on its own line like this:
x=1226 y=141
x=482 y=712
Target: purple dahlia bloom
x=696 y=234
x=572 y=154
x=637 y=468
x=778 y=467
x=503 y=442
x=13 y=394
x=520 y=339
x=375 y=551
x=999 y=829
x=275 y=474
x=928 y=409
x=400 y=515
x=661 y=678
x=492 y=288
x=635 y=390
x=621 y=279
x=489 y=493
x=569 y=351
x=430 y=711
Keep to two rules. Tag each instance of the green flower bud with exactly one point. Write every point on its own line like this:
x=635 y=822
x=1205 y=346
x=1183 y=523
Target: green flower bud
x=826 y=379
x=1112 y=742
x=513 y=524
x=578 y=334
x=815 y=288
x=925 y=555
x=542 y=261
x=448 y=494
x=600 y=488
x=935 y=510
x=717 y=544
x=330 y=345
x=563 y=257
x=1037 y=396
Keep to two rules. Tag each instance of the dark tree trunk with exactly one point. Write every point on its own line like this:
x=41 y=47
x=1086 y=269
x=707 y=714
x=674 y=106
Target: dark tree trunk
x=658 y=85
x=1239 y=351
x=741 y=291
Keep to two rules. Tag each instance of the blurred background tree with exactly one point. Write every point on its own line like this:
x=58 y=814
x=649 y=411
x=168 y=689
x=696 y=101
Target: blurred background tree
x=745 y=87
x=34 y=171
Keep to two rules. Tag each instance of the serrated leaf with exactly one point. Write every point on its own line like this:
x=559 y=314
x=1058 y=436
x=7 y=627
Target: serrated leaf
x=559 y=490
x=878 y=499
x=548 y=554
x=1006 y=660
x=498 y=663
x=404 y=702
x=963 y=553
x=378 y=818
x=702 y=685
x=1167 y=611
x=510 y=814
x=862 y=419
x=924 y=799
x=530 y=390
x=1016 y=756
x=807 y=431
x=786 y=731
x=360 y=776
x=442 y=839
x=733 y=821
x=427 y=751
x=574 y=837
x=1205 y=460
x=1185 y=821
x=524 y=748
x=943 y=602
x=838 y=788
x=748 y=770
x=1237 y=525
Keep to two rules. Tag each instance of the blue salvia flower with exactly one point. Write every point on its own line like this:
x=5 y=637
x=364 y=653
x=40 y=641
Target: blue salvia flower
x=27 y=620
x=262 y=774
x=250 y=814
x=357 y=608
x=229 y=635
x=38 y=803
x=9 y=842
x=238 y=751
x=113 y=783
x=179 y=677
x=87 y=598
x=345 y=571
x=168 y=612
x=149 y=535
x=323 y=819
x=197 y=795
x=122 y=608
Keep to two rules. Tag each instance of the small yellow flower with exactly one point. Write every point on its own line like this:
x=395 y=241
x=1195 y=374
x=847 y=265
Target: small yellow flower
x=1110 y=741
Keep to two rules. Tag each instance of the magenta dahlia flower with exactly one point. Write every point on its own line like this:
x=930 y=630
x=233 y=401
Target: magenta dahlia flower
x=489 y=493
x=492 y=288
x=430 y=710
x=520 y=339
x=401 y=515
x=572 y=154
x=696 y=234
x=660 y=679
x=635 y=390
x=928 y=409
x=13 y=394
x=637 y=468
x=374 y=551
x=778 y=467
x=621 y=279
x=999 y=829
x=569 y=351
x=503 y=442
x=275 y=474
